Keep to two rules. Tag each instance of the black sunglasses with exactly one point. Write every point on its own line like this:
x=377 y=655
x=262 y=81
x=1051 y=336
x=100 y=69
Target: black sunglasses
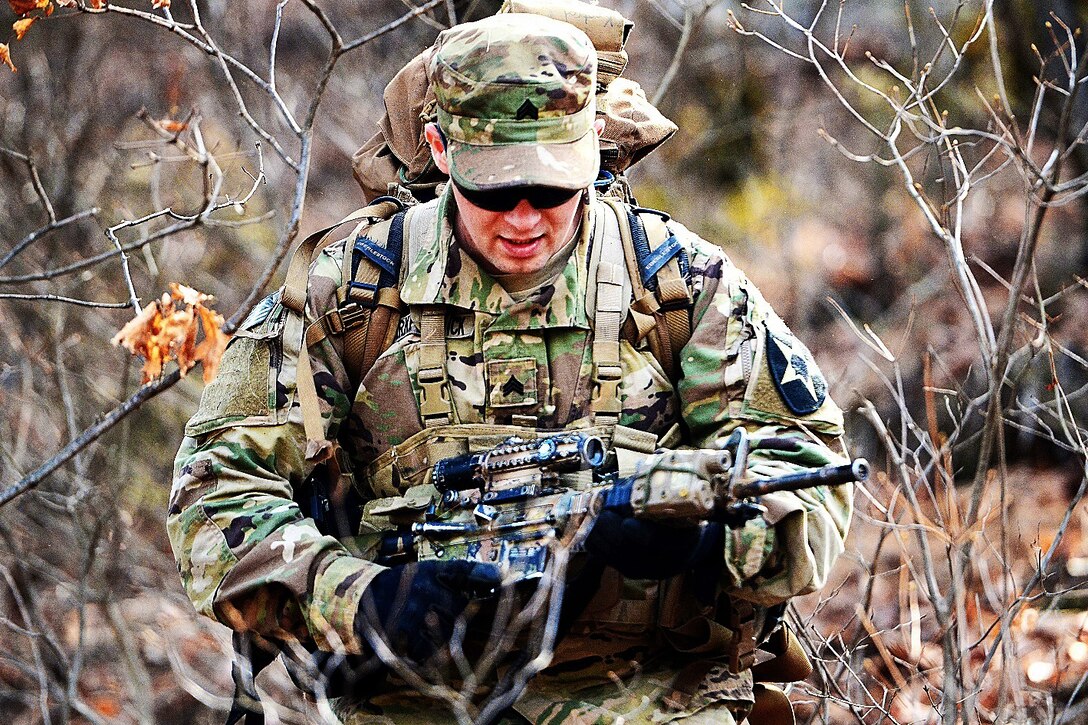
x=539 y=197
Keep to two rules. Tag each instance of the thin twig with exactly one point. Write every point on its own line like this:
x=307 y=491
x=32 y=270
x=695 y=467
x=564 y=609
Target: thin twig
x=90 y=435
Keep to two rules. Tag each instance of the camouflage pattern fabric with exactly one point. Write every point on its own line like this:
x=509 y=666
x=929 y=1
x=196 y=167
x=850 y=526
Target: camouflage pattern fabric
x=250 y=559
x=538 y=127
x=644 y=699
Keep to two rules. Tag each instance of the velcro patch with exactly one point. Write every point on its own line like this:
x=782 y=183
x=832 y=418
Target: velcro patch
x=795 y=373
x=512 y=382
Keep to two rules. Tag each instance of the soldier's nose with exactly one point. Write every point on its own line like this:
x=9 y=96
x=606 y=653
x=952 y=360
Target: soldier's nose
x=523 y=217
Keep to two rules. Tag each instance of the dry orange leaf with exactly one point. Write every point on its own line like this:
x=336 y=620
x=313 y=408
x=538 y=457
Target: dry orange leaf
x=22 y=7
x=21 y=26
x=5 y=57
x=167 y=329
x=106 y=705
x=173 y=126
x=160 y=4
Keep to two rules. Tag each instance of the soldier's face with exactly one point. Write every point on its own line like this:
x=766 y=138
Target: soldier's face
x=518 y=241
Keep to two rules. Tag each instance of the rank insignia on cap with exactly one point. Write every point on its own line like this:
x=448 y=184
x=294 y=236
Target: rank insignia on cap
x=795 y=374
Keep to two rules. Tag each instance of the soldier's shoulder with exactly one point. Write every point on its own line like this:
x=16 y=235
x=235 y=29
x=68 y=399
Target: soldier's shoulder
x=370 y=238
x=705 y=258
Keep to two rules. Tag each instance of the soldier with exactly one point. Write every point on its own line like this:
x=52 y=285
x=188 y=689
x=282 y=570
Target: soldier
x=514 y=288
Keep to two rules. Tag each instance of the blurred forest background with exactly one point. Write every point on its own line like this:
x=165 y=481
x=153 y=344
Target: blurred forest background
x=903 y=180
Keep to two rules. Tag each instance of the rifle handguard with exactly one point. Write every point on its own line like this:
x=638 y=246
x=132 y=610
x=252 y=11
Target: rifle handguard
x=508 y=462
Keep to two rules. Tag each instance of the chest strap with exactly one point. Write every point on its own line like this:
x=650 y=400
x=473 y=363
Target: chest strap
x=435 y=403
x=608 y=313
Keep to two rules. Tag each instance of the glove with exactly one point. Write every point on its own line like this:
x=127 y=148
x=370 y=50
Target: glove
x=417 y=605
x=643 y=549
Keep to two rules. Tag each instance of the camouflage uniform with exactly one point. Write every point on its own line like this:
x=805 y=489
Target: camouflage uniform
x=251 y=560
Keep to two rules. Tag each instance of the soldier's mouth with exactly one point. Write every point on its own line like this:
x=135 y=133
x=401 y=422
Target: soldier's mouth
x=522 y=247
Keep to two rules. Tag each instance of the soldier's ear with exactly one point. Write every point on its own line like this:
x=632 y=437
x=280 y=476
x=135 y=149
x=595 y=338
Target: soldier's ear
x=598 y=126
x=437 y=142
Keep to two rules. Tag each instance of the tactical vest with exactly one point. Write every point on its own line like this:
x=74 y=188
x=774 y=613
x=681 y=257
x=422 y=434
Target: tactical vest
x=641 y=291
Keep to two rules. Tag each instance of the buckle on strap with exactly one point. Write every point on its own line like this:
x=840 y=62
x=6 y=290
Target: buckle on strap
x=607 y=377
x=608 y=373
x=434 y=404
x=431 y=375
x=346 y=317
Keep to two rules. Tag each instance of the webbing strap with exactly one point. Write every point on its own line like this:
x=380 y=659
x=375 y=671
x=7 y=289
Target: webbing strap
x=382 y=321
x=294 y=289
x=436 y=404
x=318 y=447
x=370 y=298
x=742 y=647
x=382 y=329
x=607 y=320
x=661 y=306
x=673 y=295
x=357 y=297
x=633 y=272
x=641 y=245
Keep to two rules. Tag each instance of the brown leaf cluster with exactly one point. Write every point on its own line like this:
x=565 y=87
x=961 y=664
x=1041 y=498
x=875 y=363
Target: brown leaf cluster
x=25 y=7
x=5 y=57
x=167 y=329
x=21 y=26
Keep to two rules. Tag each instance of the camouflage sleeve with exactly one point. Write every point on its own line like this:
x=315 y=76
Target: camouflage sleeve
x=744 y=368
x=247 y=555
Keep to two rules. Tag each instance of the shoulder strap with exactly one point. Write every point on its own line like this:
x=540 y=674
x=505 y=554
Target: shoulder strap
x=657 y=267
x=664 y=267
x=369 y=301
x=318 y=448
x=294 y=289
x=609 y=307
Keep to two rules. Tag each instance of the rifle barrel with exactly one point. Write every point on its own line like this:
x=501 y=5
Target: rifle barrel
x=856 y=470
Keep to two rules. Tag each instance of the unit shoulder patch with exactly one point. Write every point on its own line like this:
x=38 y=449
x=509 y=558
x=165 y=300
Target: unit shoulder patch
x=794 y=371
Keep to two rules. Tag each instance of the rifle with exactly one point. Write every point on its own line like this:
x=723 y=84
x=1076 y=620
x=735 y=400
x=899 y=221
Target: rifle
x=507 y=505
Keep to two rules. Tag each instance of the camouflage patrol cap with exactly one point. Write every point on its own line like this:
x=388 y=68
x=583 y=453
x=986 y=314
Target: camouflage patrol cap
x=516 y=102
